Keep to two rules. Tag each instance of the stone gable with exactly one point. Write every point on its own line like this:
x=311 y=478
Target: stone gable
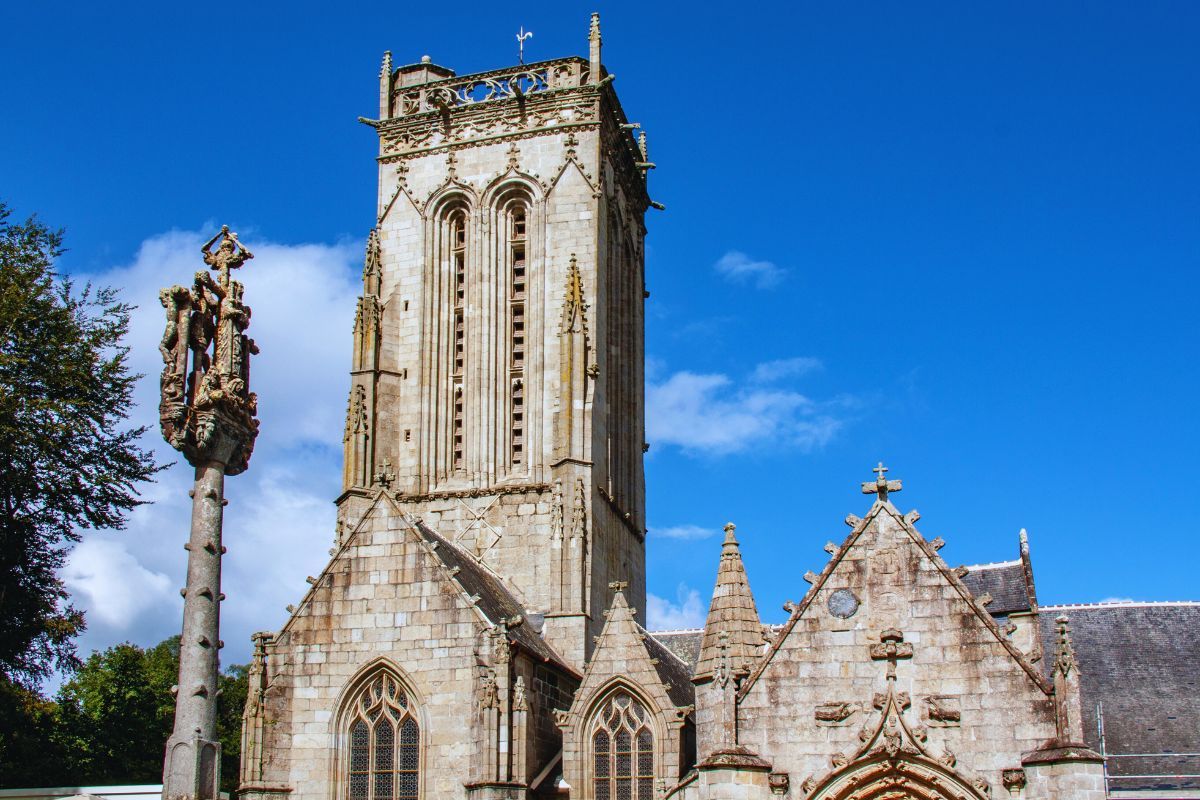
x=974 y=694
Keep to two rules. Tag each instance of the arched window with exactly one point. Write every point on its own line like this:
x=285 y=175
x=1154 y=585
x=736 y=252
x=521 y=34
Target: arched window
x=518 y=219
x=458 y=268
x=384 y=740
x=622 y=750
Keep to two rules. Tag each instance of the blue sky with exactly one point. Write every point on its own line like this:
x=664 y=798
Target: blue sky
x=960 y=239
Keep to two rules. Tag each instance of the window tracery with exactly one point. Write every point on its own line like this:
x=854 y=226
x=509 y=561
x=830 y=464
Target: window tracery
x=622 y=750
x=384 y=744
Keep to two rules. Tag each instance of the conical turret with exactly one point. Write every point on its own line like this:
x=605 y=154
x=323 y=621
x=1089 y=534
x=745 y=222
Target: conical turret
x=733 y=632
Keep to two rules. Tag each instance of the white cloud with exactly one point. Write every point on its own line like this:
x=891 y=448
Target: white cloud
x=771 y=371
x=739 y=267
x=1117 y=600
x=685 y=532
x=105 y=578
x=686 y=612
x=706 y=413
x=279 y=523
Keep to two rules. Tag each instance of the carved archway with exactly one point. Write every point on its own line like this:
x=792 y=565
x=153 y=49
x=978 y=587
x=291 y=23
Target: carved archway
x=906 y=776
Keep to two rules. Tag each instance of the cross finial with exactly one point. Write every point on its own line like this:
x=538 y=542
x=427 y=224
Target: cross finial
x=891 y=648
x=385 y=476
x=522 y=35
x=881 y=485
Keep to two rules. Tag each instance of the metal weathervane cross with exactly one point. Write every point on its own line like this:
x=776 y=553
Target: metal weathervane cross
x=522 y=35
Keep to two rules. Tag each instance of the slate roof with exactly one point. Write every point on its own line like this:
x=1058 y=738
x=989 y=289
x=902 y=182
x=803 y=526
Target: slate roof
x=1005 y=582
x=685 y=644
x=1140 y=662
x=495 y=600
x=674 y=672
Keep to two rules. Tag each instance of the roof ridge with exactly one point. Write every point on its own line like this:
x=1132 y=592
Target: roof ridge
x=674 y=630
x=1016 y=562
x=1122 y=604
x=674 y=655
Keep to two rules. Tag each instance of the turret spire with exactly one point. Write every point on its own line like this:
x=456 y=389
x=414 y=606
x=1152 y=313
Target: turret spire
x=594 y=48
x=733 y=633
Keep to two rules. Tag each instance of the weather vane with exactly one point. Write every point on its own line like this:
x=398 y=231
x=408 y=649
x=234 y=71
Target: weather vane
x=522 y=35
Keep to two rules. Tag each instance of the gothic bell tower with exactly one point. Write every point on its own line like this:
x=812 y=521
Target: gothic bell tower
x=497 y=387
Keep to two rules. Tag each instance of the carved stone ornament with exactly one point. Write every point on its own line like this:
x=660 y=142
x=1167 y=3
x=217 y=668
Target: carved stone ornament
x=942 y=711
x=488 y=697
x=836 y=713
x=520 y=702
x=843 y=604
x=1013 y=780
x=207 y=410
x=779 y=782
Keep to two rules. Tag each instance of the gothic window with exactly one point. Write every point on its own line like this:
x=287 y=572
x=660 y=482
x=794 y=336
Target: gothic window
x=458 y=267
x=518 y=217
x=622 y=750
x=384 y=744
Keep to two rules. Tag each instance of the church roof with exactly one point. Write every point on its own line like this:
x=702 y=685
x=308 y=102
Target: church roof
x=1138 y=667
x=674 y=671
x=685 y=644
x=495 y=601
x=1005 y=582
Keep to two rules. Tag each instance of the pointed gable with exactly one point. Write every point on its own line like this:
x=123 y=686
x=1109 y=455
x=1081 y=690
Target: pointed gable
x=624 y=650
x=888 y=613
x=733 y=622
x=899 y=567
x=629 y=661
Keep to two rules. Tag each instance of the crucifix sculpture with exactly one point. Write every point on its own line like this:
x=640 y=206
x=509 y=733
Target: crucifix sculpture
x=208 y=413
x=891 y=648
x=881 y=485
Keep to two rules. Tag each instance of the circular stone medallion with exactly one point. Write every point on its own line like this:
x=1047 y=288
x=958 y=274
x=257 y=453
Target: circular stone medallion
x=842 y=604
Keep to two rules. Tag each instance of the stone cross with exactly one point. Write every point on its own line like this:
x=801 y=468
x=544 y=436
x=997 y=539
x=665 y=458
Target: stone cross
x=385 y=476
x=208 y=413
x=881 y=485
x=231 y=254
x=891 y=648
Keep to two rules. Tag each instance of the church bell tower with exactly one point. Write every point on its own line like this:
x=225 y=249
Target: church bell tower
x=497 y=387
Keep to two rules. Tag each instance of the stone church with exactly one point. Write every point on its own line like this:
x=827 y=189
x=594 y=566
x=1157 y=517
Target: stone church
x=476 y=632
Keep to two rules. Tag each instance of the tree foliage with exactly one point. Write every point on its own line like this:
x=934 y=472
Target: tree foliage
x=69 y=460
x=110 y=722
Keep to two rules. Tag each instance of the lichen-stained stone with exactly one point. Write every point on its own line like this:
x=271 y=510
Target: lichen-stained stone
x=968 y=703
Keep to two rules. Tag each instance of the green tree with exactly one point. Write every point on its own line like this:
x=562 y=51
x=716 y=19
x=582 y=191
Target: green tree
x=110 y=719
x=69 y=461
x=114 y=716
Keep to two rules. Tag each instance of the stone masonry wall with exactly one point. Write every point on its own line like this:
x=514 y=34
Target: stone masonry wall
x=968 y=693
x=382 y=597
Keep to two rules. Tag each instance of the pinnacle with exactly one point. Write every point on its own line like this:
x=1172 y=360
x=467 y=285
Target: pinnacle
x=733 y=624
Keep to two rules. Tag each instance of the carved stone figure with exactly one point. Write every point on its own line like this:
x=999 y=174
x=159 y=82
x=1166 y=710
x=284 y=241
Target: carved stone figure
x=207 y=412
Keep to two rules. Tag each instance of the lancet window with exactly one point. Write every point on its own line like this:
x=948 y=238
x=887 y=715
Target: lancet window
x=622 y=750
x=458 y=279
x=518 y=219
x=384 y=744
